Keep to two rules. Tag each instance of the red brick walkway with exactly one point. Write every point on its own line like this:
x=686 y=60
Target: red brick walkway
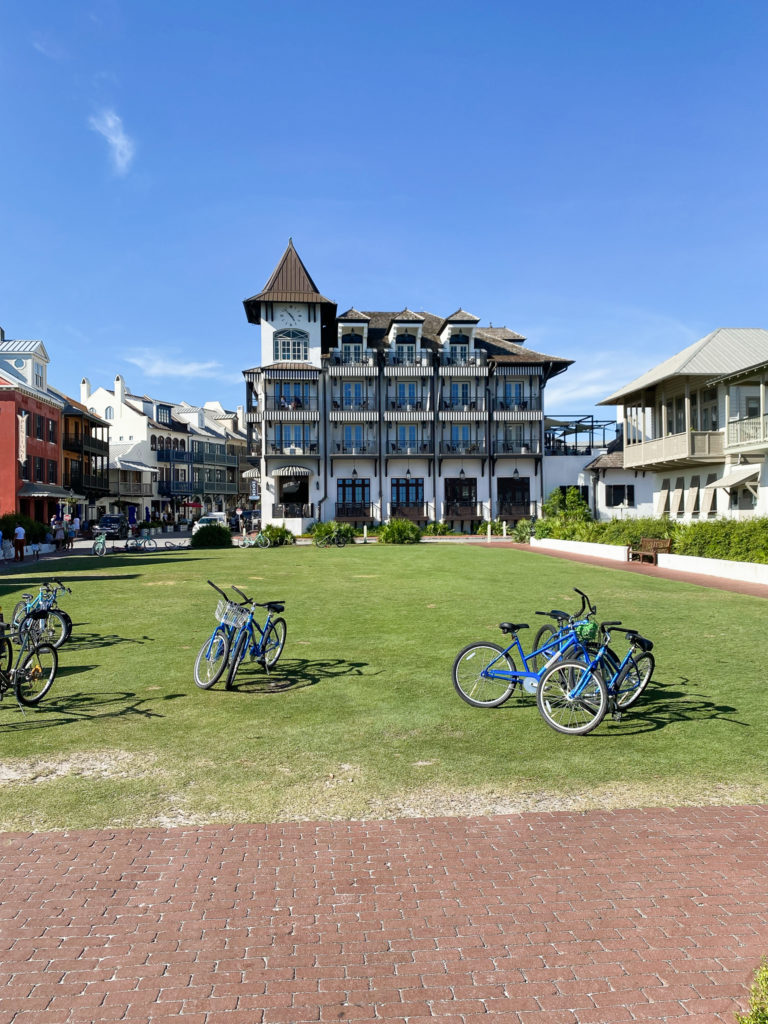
x=648 y=915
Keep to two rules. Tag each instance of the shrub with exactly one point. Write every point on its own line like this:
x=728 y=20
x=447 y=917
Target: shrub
x=497 y=528
x=758 y=998
x=437 y=529
x=400 y=531
x=278 y=535
x=569 y=505
x=213 y=536
x=346 y=530
x=35 y=531
x=521 y=532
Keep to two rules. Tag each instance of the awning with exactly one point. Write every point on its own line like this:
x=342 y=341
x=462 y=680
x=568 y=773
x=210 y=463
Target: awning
x=736 y=476
x=48 y=491
x=251 y=474
x=291 y=471
x=138 y=467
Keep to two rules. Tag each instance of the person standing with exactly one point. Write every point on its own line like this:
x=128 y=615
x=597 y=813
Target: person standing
x=19 y=539
x=76 y=524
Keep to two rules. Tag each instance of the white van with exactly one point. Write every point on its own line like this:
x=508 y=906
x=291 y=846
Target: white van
x=210 y=519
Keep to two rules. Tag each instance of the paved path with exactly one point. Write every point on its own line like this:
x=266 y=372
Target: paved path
x=598 y=918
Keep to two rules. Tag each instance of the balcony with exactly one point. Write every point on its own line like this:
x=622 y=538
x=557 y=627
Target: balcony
x=473 y=359
x=353 y=511
x=85 y=443
x=418 y=446
x=131 y=490
x=353 y=404
x=689 y=448
x=462 y=448
x=293 y=510
x=421 y=358
x=529 y=447
x=173 y=455
x=532 y=403
x=462 y=510
x=82 y=482
x=476 y=404
x=175 y=487
x=357 y=448
x=288 y=404
x=410 y=404
x=510 y=511
x=305 y=448
x=413 y=510
x=750 y=433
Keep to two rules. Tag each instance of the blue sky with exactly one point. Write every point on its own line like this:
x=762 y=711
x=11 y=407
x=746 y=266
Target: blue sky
x=590 y=174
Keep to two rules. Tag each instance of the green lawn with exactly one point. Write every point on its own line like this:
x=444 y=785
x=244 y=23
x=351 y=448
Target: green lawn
x=360 y=718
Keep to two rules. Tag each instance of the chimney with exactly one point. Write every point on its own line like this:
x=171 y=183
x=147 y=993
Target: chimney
x=240 y=423
x=85 y=390
x=119 y=390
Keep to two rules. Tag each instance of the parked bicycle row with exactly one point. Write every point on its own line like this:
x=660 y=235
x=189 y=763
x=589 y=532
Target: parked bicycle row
x=39 y=627
x=572 y=669
x=238 y=635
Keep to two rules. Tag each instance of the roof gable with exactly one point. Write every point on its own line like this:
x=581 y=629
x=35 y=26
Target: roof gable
x=290 y=282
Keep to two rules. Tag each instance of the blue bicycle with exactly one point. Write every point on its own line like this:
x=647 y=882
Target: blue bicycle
x=55 y=626
x=485 y=674
x=574 y=696
x=264 y=644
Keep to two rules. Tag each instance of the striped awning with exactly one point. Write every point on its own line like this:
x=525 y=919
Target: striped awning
x=251 y=474
x=291 y=471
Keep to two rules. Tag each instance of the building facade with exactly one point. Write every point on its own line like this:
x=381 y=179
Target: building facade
x=695 y=427
x=367 y=416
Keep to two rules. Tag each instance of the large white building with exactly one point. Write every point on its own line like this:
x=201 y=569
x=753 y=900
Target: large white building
x=366 y=416
x=695 y=428
x=167 y=456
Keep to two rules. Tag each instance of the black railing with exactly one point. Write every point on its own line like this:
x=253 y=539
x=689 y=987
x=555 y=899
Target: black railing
x=409 y=510
x=293 y=510
x=418 y=447
x=462 y=510
x=462 y=447
x=353 y=510
x=513 y=510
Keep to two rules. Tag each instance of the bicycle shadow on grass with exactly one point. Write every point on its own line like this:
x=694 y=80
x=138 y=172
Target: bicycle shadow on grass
x=57 y=710
x=293 y=674
x=81 y=641
x=663 y=704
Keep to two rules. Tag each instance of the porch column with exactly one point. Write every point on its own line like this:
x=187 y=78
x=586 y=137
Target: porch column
x=762 y=407
x=664 y=424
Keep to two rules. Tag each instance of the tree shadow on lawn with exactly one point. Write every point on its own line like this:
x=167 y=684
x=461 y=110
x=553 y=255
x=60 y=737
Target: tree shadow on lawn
x=293 y=674
x=66 y=709
x=662 y=705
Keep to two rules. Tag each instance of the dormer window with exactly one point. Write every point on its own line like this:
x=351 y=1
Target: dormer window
x=163 y=414
x=39 y=375
x=291 y=345
x=458 y=349
x=405 y=348
x=352 y=348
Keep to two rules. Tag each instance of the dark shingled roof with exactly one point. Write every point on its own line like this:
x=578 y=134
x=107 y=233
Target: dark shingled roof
x=461 y=316
x=353 y=316
x=290 y=282
x=613 y=458
x=407 y=316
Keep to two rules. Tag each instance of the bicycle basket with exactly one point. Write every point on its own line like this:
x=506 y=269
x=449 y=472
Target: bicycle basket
x=230 y=614
x=587 y=632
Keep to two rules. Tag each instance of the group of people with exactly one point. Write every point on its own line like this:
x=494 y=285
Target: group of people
x=63 y=532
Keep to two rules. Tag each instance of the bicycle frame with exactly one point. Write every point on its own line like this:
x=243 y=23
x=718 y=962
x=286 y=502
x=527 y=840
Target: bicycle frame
x=564 y=642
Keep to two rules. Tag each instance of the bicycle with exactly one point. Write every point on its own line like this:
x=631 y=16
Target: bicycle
x=484 y=673
x=33 y=674
x=177 y=545
x=143 y=542
x=213 y=656
x=255 y=539
x=331 y=539
x=99 y=546
x=263 y=643
x=573 y=696
x=55 y=627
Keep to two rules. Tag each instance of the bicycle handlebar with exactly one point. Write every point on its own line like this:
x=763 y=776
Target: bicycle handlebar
x=585 y=602
x=237 y=590
x=211 y=584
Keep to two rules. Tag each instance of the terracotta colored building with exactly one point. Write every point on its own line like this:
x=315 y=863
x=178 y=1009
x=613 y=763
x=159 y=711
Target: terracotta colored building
x=30 y=433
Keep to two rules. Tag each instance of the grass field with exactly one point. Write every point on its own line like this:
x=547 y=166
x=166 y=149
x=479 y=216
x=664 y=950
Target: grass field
x=360 y=718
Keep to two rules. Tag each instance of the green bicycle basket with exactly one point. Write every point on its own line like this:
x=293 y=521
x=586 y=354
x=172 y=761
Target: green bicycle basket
x=587 y=631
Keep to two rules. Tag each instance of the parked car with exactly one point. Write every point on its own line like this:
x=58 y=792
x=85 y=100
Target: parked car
x=114 y=526
x=211 y=519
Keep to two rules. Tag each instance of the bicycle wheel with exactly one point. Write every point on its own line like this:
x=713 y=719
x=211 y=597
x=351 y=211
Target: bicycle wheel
x=19 y=611
x=538 y=661
x=34 y=677
x=6 y=654
x=479 y=690
x=321 y=542
x=578 y=715
x=262 y=540
x=149 y=544
x=67 y=621
x=53 y=629
x=99 y=546
x=340 y=541
x=211 y=660
x=637 y=678
x=238 y=654
x=273 y=642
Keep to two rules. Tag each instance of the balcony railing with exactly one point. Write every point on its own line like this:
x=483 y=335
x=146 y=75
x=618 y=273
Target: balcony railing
x=532 y=403
x=462 y=447
x=125 y=490
x=340 y=358
x=462 y=405
x=85 y=442
x=292 y=448
x=293 y=510
x=694 y=445
x=353 y=511
x=354 y=404
x=420 y=446
x=287 y=403
x=513 y=510
x=357 y=448
x=529 y=447
x=415 y=404
x=413 y=510
x=422 y=357
x=750 y=430
x=462 y=510
x=175 y=487
x=471 y=359
x=87 y=481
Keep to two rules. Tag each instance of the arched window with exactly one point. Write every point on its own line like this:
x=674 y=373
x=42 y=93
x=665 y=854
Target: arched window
x=160 y=444
x=352 y=347
x=153 y=443
x=182 y=445
x=167 y=444
x=109 y=413
x=175 y=444
x=405 y=348
x=291 y=344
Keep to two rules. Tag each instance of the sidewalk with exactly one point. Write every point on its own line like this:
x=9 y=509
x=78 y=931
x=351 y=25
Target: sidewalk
x=549 y=918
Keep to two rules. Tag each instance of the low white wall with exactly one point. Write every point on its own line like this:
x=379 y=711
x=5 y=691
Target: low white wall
x=747 y=572
x=615 y=552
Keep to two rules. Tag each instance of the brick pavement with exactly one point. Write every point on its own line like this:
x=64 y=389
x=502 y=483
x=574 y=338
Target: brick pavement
x=597 y=918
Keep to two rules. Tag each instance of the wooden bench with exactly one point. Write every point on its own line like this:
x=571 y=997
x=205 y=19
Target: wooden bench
x=649 y=550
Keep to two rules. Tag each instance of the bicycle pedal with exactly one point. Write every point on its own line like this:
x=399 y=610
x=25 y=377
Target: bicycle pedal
x=616 y=716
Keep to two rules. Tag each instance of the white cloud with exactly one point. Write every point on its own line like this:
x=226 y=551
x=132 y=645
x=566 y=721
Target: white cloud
x=49 y=47
x=160 y=366
x=122 y=146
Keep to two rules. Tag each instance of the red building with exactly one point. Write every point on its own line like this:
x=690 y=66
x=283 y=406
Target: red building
x=30 y=433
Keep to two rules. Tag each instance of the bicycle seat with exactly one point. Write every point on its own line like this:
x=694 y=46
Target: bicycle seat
x=26 y=597
x=274 y=606
x=512 y=627
x=639 y=641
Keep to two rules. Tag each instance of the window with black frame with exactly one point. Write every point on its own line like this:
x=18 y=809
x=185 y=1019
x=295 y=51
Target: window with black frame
x=407 y=490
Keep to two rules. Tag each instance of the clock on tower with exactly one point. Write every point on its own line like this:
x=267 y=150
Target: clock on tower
x=291 y=315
